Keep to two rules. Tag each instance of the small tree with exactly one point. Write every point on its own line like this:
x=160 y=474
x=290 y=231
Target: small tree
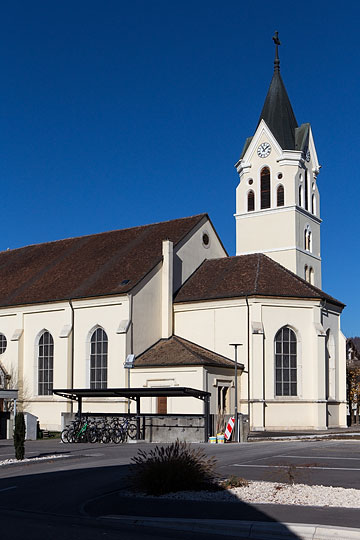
x=19 y=436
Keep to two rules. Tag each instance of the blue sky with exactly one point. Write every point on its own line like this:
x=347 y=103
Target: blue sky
x=114 y=114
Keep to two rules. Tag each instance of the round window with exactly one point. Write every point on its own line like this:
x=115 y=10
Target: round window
x=206 y=239
x=251 y=181
x=280 y=176
x=3 y=343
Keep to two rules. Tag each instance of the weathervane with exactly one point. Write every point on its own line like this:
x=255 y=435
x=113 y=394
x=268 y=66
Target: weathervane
x=276 y=40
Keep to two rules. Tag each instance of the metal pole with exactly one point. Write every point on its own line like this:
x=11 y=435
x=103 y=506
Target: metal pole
x=206 y=415
x=138 y=417
x=236 y=431
x=128 y=387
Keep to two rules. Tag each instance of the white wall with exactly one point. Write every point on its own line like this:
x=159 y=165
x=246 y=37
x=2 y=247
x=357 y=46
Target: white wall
x=191 y=252
x=215 y=325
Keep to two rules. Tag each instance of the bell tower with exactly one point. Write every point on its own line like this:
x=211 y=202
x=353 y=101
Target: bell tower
x=277 y=199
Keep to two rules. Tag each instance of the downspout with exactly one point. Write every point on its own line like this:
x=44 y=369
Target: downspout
x=130 y=297
x=264 y=378
x=72 y=352
x=248 y=355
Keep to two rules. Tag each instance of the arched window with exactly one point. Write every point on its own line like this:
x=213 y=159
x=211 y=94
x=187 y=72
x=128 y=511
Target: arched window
x=311 y=276
x=307 y=239
x=285 y=362
x=301 y=196
x=265 y=188
x=98 y=359
x=313 y=204
x=306 y=272
x=280 y=196
x=45 y=364
x=306 y=190
x=251 y=201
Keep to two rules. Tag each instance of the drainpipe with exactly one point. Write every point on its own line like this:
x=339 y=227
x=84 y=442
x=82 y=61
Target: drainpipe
x=130 y=298
x=72 y=352
x=248 y=355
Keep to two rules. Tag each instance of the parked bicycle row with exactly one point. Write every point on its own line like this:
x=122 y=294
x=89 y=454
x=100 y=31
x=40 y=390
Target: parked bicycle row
x=104 y=430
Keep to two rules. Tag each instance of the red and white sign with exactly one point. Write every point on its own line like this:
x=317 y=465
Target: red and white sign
x=229 y=428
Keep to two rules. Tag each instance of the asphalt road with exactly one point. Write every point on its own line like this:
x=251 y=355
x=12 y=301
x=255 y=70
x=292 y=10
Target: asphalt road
x=48 y=498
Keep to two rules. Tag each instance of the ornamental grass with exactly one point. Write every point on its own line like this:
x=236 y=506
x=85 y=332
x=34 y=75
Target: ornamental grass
x=176 y=467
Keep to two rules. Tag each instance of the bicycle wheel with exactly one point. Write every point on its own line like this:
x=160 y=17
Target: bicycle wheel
x=93 y=435
x=64 y=435
x=132 y=431
x=105 y=436
x=71 y=435
x=117 y=436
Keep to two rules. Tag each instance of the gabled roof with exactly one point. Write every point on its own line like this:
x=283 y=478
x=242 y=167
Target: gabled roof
x=278 y=113
x=177 y=351
x=97 y=265
x=247 y=275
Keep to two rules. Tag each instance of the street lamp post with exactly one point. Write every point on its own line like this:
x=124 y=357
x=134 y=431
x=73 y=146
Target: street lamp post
x=236 y=434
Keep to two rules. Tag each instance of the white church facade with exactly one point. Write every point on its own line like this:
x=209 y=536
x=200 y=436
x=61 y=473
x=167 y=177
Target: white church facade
x=71 y=311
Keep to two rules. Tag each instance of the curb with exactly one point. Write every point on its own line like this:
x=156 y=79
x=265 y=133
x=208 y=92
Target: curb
x=243 y=529
x=335 y=437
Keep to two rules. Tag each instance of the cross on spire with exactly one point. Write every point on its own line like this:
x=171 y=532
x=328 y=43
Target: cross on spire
x=276 y=40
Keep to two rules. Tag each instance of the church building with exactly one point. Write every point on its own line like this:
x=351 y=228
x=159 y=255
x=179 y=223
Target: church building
x=73 y=310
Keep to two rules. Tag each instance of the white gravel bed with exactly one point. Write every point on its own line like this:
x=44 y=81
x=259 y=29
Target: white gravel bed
x=274 y=493
x=28 y=460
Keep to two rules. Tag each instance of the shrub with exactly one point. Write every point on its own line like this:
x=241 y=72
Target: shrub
x=176 y=467
x=19 y=436
x=234 y=482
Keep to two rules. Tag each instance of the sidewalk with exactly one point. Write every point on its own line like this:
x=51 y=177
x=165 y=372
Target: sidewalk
x=352 y=432
x=227 y=518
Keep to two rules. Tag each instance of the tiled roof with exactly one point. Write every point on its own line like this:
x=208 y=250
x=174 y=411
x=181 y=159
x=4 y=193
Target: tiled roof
x=97 y=265
x=246 y=275
x=177 y=351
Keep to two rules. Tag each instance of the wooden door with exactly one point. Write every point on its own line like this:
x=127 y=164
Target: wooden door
x=162 y=405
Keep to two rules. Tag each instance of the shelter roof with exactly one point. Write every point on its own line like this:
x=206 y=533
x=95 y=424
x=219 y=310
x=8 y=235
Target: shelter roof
x=131 y=393
x=176 y=351
x=247 y=275
x=96 y=265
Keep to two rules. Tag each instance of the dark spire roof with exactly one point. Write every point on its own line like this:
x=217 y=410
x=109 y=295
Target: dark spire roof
x=277 y=111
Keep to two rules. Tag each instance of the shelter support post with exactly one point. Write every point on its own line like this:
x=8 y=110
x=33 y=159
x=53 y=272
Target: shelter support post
x=79 y=407
x=206 y=418
x=138 y=417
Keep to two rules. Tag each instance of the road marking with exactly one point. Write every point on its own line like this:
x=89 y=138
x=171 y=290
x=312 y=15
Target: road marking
x=297 y=467
x=6 y=489
x=318 y=457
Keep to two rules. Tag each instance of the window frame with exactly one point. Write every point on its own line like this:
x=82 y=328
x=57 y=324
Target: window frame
x=98 y=360
x=280 y=188
x=45 y=387
x=250 y=196
x=280 y=351
x=265 y=190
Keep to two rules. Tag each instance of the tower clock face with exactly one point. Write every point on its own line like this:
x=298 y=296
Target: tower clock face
x=264 y=150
